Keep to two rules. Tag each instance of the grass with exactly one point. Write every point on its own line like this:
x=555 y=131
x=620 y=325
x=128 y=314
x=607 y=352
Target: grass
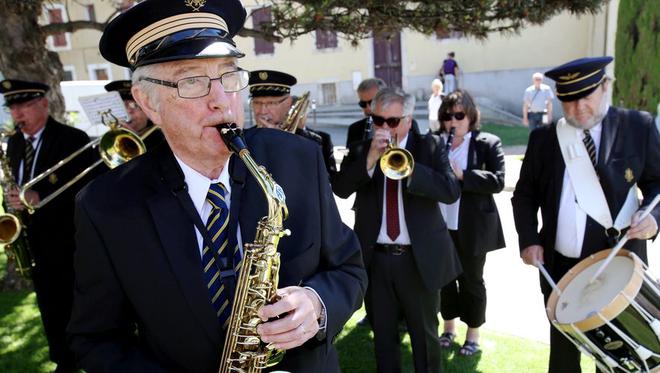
x=510 y=135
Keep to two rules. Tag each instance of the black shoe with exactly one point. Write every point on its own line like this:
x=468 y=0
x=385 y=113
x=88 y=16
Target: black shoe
x=364 y=322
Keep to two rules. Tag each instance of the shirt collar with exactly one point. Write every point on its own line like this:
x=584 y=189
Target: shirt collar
x=36 y=136
x=198 y=184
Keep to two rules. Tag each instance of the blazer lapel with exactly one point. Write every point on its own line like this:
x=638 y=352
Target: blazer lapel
x=17 y=154
x=177 y=235
x=237 y=174
x=559 y=167
x=608 y=136
x=473 y=159
x=45 y=155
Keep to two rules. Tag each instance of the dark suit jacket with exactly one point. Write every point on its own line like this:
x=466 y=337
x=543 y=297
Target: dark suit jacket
x=432 y=181
x=51 y=227
x=327 y=149
x=356 y=131
x=138 y=266
x=629 y=141
x=479 y=226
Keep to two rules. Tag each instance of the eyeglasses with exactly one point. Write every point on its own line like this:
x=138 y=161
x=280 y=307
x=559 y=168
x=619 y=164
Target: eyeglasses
x=459 y=115
x=392 y=122
x=200 y=86
x=364 y=104
x=268 y=104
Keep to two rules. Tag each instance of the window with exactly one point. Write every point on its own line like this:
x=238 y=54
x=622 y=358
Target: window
x=125 y=5
x=326 y=39
x=55 y=14
x=91 y=13
x=69 y=73
x=262 y=46
x=447 y=34
x=99 y=71
x=329 y=91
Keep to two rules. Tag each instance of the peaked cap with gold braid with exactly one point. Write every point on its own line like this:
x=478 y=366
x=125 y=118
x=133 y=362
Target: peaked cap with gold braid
x=121 y=86
x=578 y=78
x=156 y=31
x=16 y=91
x=270 y=83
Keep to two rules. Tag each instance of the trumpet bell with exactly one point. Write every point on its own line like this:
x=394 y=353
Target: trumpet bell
x=10 y=228
x=397 y=163
x=119 y=146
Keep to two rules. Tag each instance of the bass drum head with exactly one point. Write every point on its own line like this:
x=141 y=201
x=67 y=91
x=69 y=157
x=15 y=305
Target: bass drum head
x=579 y=301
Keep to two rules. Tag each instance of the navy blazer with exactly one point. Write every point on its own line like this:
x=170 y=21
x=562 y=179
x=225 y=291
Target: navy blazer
x=479 y=225
x=432 y=181
x=629 y=145
x=141 y=303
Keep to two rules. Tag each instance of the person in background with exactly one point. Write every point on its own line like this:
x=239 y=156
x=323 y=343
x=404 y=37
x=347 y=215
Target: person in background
x=473 y=221
x=434 y=105
x=407 y=262
x=615 y=151
x=162 y=238
x=38 y=144
x=449 y=72
x=138 y=120
x=272 y=101
x=537 y=103
x=366 y=92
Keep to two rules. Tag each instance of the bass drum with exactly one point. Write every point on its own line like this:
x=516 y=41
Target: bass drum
x=615 y=319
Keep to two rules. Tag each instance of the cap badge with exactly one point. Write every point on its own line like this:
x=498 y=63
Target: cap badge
x=263 y=75
x=127 y=85
x=52 y=178
x=569 y=76
x=628 y=174
x=6 y=84
x=195 y=4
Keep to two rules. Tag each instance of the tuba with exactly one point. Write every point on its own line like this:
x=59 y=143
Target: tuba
x=396 y=163
x=259 y=273
x=12 y=231
x=297 y=114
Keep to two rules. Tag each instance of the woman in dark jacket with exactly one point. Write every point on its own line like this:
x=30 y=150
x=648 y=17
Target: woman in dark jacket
x=473 y=221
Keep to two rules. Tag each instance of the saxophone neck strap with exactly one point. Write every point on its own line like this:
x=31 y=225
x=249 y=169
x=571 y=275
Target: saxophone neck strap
x=588 y=191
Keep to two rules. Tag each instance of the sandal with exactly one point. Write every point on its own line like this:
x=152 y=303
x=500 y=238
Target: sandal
x=469 y=348
x=446 y=339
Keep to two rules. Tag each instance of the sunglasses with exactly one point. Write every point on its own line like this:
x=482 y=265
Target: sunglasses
x=446 y=117
x=364 y=104
x=391 y=122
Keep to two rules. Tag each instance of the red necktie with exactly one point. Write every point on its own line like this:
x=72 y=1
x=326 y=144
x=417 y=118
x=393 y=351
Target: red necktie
x=392 y=208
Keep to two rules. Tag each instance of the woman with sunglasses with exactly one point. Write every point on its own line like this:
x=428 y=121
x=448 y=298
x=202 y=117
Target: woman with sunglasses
x=473 y=221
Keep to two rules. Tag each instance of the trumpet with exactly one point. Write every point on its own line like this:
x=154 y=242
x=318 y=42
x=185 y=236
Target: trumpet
x=117 y=146
x=396 y=163
x=296 y=114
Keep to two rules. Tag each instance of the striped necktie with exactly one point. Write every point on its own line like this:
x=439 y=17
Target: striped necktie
x=591 y=147
x=28 y=160
x=218 y=229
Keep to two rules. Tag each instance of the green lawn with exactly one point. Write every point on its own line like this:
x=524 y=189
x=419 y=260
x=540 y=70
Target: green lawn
x=510 y=135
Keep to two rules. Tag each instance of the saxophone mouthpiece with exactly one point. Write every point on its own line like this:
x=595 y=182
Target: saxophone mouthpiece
x=232 y=135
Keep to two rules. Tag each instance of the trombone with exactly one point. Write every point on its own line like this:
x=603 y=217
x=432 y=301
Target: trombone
x=117 y=146
x=396 y=163
x=296 y=114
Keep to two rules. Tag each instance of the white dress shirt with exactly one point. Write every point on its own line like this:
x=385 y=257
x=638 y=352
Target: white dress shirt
x=460 y=157
x=571 y=219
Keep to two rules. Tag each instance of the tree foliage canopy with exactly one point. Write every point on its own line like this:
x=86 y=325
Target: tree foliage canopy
x=358 y=19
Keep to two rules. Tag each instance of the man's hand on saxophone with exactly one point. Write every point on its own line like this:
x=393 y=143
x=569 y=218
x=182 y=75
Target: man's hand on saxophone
x=299 y=310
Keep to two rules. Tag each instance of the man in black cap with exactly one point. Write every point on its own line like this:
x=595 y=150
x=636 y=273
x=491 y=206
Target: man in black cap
x=40 y=142
x=272 y=101
x=157 y=294
x=138 y=120
x=583 y=173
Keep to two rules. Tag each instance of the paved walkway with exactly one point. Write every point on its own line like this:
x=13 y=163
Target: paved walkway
x=515 y=303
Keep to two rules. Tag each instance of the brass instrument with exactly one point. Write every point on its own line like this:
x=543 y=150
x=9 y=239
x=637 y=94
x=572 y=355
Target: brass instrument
x=396 y=163
x=296 y=114
x=117 y=146
x=12 y=231
x=259 y=274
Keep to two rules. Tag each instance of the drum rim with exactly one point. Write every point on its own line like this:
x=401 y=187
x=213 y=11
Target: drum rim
x=610 y=311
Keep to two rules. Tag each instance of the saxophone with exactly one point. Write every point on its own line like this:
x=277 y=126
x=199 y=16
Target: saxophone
x=259 y=273
x=12 y=231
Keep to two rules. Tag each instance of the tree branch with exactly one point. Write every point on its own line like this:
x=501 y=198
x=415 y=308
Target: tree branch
x=72 y=26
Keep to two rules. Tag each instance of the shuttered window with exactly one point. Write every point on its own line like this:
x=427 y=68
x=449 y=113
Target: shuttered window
x=55 y=16
x=262 y=46
x=326 y=39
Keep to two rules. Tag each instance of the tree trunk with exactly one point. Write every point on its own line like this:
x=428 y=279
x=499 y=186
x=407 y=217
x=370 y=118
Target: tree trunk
x=23 y=54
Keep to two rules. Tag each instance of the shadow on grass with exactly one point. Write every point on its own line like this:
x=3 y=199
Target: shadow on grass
x=23 y=345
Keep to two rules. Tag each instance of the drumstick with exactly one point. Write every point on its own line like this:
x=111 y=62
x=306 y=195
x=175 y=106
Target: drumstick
x=545 y=274
x=623 y=241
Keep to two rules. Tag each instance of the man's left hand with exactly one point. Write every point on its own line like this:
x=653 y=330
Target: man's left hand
x=298 y=310
x=644 y=229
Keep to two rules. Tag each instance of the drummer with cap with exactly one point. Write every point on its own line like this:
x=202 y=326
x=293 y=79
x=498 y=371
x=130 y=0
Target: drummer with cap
x=597 y=152
x=138 y=120
x=271 y=101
